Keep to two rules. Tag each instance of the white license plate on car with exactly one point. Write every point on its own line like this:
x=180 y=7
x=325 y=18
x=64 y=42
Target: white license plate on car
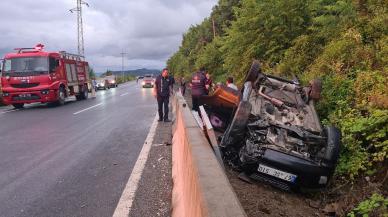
x=277 y=173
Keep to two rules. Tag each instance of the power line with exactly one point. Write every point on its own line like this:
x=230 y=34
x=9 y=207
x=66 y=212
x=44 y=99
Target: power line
x=80 y=29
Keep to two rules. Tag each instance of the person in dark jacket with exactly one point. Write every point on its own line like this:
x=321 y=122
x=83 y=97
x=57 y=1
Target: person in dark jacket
x=198 y=87
x=162 y=91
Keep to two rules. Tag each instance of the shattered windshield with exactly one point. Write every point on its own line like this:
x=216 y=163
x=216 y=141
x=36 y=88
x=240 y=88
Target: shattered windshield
x=25 y=66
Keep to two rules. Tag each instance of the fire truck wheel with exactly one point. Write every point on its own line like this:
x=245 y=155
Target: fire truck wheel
x=61 y=96
x=85 y=93
x=18 y=105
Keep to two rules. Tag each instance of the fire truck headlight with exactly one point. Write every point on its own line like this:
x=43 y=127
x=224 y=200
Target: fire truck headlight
x=5 y=94
x=45 y=92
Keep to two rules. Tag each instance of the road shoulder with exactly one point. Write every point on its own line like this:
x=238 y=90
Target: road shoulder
x=153 y=196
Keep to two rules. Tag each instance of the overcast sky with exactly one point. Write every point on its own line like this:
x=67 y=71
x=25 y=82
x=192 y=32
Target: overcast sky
x=149 y=31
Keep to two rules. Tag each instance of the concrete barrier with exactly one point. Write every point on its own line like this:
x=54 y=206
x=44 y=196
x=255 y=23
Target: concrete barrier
x=200 y=186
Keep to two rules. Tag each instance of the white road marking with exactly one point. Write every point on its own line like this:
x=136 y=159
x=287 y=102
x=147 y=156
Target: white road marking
x=76 y=113
x=124 y=94
x=13 y=110
x=125 y=203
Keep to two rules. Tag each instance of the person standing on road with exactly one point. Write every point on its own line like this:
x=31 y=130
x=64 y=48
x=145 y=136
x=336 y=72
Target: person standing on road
x=198 y=87
x=162 y=90
x=94 y=87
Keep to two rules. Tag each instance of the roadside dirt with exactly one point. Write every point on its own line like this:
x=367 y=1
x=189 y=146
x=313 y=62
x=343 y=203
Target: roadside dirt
x=259 y=199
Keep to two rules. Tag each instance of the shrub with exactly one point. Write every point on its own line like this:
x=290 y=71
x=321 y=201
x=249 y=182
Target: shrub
x=376 y=204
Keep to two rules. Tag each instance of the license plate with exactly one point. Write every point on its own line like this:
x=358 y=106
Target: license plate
x=277 y=173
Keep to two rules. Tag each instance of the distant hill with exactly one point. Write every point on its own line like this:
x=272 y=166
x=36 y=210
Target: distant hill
x=135 y=72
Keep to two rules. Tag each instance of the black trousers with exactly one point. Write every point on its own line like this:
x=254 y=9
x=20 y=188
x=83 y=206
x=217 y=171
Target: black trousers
x=163 y=103
x=194 y=100
x=183 y=89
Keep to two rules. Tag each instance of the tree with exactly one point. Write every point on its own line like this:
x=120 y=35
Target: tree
x=92 y=74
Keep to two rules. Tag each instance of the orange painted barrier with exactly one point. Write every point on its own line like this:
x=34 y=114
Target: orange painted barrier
x=200 y=186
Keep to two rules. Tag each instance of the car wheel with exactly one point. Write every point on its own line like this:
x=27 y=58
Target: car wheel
x=332 y=149
x=18 y=105
x=61 y=96
x=316 y=89
x=235 y=133
x=254 y=72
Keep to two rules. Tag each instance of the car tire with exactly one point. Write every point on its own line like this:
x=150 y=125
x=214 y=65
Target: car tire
x=18 y=105
x=235 y=133
x=333 y=145
x=253 y=72
x=315 y=90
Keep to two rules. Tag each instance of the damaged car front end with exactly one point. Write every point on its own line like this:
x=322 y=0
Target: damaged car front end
x=273 y=133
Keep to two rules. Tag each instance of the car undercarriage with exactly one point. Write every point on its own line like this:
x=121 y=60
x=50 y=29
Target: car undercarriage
x=271 y=131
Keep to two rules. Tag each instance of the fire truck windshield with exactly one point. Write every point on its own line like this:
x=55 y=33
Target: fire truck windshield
x=25 y=66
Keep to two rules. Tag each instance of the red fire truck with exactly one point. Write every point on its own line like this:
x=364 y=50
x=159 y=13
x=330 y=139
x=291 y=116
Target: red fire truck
x=33 y=75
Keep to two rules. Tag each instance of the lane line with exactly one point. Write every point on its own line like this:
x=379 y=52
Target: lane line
x=124 y=94
x=76 y=113
x=13 y=110
x=124 y=206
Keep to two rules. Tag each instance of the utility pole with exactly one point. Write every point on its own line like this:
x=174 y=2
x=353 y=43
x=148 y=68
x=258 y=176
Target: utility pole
x=80 y=28
x=122 y=63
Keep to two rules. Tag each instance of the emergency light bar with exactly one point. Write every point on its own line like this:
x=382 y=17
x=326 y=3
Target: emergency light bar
x=37 y=48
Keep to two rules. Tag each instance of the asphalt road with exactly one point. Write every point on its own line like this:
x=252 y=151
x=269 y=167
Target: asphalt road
x=72 y=160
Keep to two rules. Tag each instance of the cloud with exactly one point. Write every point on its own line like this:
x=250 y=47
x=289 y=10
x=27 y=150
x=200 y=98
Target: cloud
x=149 y=31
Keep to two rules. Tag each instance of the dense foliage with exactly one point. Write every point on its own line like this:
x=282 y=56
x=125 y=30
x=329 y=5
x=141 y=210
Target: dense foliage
x=376 y=205
x=343 y=42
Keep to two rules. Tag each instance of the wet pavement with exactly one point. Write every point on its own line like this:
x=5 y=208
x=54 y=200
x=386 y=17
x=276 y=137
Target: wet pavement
x=72 y=160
